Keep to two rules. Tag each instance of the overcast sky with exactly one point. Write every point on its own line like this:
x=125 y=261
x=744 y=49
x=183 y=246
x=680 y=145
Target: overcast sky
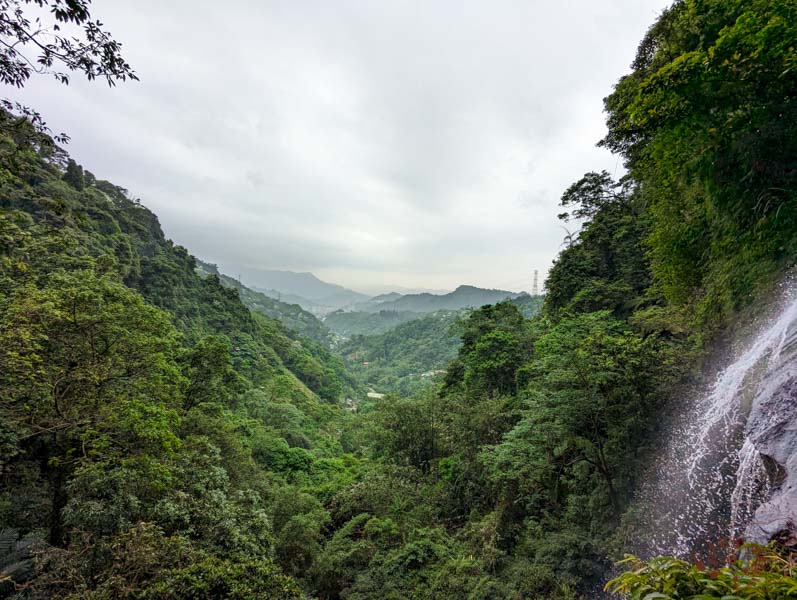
x=374 y=143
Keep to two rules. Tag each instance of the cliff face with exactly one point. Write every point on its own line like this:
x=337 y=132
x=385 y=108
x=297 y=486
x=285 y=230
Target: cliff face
x=771 y=429
x=728 y=466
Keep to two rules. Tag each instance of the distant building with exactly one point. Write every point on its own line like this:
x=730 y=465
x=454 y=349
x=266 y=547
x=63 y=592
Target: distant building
x=433 y=373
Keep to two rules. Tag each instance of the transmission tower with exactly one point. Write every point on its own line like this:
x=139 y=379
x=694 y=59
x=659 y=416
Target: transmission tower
x=535 y=290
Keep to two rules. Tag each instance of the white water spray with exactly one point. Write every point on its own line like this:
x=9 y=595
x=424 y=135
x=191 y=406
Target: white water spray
x=712 y=477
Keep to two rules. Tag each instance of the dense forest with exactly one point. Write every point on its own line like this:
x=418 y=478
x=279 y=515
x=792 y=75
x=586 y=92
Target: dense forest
x=351 y=323
x=165 y=433
x=405 y=358
x=293 y=316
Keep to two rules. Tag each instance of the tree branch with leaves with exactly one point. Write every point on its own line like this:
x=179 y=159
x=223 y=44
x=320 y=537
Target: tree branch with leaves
x=69 y=41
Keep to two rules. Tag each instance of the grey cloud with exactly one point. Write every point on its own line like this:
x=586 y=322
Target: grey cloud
x=422 y=144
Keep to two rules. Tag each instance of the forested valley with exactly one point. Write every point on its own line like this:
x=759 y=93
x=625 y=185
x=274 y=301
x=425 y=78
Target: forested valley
x=166 y=432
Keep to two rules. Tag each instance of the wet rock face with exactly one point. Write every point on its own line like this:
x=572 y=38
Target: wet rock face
x=728 y=466
x=772 y=429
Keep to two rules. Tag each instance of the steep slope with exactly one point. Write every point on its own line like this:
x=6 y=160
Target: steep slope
x=407 y=356
x=144 y=410
x=300 y=285
x=293 y=316
x=99 y=222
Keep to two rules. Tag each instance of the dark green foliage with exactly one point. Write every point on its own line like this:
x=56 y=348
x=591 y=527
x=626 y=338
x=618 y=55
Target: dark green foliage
x=233 y=580
x=144 y=563
x=707 y=123
x=493 y=363
x=406 y=432
x=766 y=576
x=605 y=266
x=494 y=345
x=293 y=316
x=585 y=414
x=74 y=175
x=406 y=358
x=162 y=435
x=211 y=377
x=592 y=194
x=350 y=324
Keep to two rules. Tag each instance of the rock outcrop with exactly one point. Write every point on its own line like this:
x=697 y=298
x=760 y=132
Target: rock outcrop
x=772 y=429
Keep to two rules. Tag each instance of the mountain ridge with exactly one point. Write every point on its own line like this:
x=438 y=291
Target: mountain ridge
x=291 y=314
x=304 y=288
x=464 y=296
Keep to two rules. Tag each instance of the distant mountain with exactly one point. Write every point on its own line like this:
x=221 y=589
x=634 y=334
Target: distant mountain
x=389 y=297
x=305 y=289
x=375 y=304
x=292 y=315
x=309 y=305
x=375 y=290
x=344 y=297
x=465 y=296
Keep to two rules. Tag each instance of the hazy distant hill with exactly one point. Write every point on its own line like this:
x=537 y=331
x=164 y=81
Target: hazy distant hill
x=375 y=304
x=305 y=289
x=465 y=296
x=292 y=315
x=385 y=290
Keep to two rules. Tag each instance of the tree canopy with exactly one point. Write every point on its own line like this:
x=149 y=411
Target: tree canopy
x=167 y=433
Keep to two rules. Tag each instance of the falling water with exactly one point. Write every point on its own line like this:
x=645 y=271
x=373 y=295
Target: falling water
x=712 y=477
x=752 y=487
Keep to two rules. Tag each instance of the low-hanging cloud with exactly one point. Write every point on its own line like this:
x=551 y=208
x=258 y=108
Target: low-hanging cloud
x=373 y=143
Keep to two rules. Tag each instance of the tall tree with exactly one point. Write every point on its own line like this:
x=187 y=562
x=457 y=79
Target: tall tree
x=74 y=175
x=87 y=372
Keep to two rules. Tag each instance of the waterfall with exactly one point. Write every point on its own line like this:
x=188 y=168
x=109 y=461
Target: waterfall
x=722 y=470
x=752 y=488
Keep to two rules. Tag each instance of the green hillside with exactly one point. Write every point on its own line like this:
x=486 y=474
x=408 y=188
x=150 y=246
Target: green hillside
x=144 y=408
x=293 y=316
x=161 y=440
x=404 y=358
x=348 y=324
